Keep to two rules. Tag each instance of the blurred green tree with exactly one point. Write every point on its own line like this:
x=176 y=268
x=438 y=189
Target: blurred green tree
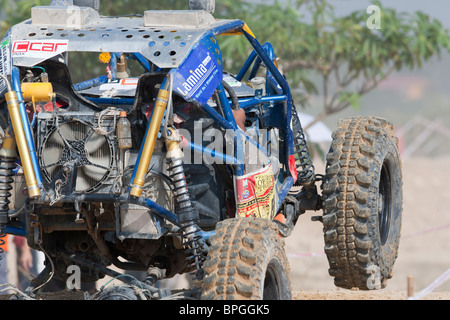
x=340 y=58
x=16 y=11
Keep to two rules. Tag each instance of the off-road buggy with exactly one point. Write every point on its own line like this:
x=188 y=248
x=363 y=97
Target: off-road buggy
x=179 y=167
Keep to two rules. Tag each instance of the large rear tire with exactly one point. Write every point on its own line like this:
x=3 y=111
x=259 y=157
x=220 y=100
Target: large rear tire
x=362 y=193
x=246 y=261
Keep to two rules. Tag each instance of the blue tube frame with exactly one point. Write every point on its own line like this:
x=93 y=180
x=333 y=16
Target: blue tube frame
x=112 y=101
x=90 y=83
x=250 y=102
x=281 y=81
x=143 y=61
x=215 y=154
x=16 y=231
x=277 y=83
x=113 y=65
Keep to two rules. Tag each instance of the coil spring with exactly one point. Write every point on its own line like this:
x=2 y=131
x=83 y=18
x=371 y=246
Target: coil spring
x=6 y=172
x=188 y=215
x=194 y=249
x=303 y=161
x=182 y=199
x=6 y=180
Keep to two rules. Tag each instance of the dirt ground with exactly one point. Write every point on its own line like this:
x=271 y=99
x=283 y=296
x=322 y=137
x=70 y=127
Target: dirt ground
x=424 y=252
x=360 y=295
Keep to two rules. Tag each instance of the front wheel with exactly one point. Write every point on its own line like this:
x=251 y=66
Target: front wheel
x=246 y=261
x=362 y=193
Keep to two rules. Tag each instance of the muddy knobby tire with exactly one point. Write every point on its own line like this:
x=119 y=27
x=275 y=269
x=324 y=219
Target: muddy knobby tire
x=246 y=261
x=362 y=192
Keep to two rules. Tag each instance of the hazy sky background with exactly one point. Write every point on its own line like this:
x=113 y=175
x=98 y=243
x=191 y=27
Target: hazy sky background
x=439 y=9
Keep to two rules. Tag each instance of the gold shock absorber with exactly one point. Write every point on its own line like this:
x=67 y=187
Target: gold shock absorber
x=149 y=145
x=22 y=145
x=9 y=145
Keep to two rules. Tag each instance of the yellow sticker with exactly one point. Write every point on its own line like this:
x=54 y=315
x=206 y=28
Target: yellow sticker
x=255 y=194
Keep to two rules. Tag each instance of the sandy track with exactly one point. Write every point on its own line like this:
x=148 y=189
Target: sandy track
x=362 y=295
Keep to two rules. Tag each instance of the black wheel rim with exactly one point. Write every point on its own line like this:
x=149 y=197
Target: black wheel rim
x=384 y=203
